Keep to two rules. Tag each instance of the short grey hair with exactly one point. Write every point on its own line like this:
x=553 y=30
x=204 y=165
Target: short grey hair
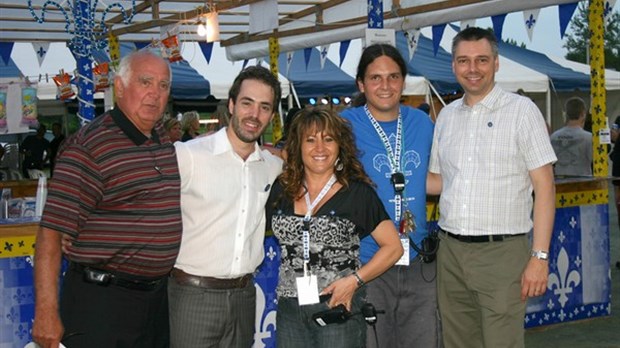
x=125 y=66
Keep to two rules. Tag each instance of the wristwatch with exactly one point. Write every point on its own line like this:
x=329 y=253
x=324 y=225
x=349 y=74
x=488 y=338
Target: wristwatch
x=541 y=255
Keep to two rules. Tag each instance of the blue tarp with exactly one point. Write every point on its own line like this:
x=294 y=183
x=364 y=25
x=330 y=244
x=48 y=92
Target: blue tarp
x=312 y=81
x=435 y=68
x=564 y=79
x=187 y=83
x=9 y=70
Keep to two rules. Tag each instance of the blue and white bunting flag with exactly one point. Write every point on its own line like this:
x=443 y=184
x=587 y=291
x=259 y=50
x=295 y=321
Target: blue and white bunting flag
x=41 y=49
x=530 y=18
x=324 y=50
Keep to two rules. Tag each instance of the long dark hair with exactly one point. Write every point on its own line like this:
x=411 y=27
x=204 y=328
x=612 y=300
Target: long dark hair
x=375 y=51
x=320 y=119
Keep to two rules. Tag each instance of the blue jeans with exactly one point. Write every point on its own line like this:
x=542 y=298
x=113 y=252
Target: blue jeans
x=296 y=329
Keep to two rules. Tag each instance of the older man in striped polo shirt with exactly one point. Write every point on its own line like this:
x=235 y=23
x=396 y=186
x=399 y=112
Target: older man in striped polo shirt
x=116 y=192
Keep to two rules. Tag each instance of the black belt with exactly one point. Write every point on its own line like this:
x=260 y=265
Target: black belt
x=482 y=239
x=105 y=278
x=183 y=278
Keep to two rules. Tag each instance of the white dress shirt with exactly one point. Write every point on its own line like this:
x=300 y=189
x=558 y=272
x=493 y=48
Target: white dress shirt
x=484 y=154
x=222 y=203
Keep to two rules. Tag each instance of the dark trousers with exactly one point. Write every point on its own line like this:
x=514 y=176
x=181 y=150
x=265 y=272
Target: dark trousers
x=111 y=316
x=408 y=295
x=297 y=329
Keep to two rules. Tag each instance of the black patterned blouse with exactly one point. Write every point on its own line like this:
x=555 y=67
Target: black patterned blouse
x=335 y=233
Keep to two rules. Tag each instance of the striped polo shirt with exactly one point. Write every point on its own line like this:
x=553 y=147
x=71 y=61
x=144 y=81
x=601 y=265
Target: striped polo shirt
x=117 y=192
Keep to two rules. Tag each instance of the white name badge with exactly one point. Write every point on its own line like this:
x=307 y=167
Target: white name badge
x=604 y=136
x=307 y=290
x=404 y=260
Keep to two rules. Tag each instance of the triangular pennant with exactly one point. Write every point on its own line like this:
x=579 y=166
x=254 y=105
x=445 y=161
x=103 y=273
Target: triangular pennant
x=498 y=25
x=207 y=50
x=100 y=56
x=259 y=61
x=5 y=51
x=344 y=47
x=307 y=53
x=608 y=10
x=413 y=37
x=141 y=44
x=41 y=48
x=324 y=50
x=565 y=11
x=289 y=61
x=245 y=63
x=468 y=23
x=437 y=35
x=530 y=17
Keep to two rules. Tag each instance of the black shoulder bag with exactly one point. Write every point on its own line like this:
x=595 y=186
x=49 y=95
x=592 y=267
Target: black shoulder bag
x=429 y=245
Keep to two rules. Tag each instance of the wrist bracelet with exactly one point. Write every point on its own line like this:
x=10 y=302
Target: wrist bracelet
x=360 y=281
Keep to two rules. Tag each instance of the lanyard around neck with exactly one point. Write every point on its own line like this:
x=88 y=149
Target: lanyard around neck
x=308 y=217
x=393 y=155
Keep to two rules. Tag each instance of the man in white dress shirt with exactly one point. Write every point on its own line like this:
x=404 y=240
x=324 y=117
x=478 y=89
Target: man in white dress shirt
x=490 y=150
x=225 y=182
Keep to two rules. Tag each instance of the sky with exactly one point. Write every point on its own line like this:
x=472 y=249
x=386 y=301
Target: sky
x=546 y=38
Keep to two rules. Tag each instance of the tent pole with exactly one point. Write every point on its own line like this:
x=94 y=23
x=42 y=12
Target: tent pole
x=436 y=93
x=294 y=93
x=548 y=106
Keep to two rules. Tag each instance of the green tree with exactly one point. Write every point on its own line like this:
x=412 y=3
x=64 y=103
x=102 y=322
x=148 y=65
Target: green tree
x=577 y=38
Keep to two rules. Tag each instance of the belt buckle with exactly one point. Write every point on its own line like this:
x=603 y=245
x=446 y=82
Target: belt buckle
x=96 y=276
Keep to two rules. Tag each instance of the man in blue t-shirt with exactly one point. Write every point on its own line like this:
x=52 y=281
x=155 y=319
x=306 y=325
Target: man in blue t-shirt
x=395 y=143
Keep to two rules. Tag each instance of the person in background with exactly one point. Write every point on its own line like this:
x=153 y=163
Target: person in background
x=55 y=145
x=225 y=183
x=425 y=107
x=395 y=143
x=571 y=143
x=173 y=129
x=35 y=150
x=288 y=120
x=490 y=151
x=190 y=125
x=322 y=168
x=116 y=192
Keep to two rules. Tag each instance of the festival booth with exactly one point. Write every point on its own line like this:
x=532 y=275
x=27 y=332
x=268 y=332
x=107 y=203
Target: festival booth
x=579 y=283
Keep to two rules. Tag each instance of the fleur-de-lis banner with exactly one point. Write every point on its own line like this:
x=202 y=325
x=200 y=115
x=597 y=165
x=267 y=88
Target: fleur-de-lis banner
x=289 y=61
x=324 y=50
x=413 y=37
x=375 y=14
x=530 y=18
x=468 y=23
x=608 y=10
x=41 y=49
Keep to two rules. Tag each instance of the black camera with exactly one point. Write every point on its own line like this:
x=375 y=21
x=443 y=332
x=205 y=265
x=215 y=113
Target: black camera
x=336 y=315
x=398 y=181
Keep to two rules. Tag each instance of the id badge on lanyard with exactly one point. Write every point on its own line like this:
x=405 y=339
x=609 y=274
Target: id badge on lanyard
x=307 y=285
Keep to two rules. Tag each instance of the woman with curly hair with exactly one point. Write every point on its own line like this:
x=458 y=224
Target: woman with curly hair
x=320 y=208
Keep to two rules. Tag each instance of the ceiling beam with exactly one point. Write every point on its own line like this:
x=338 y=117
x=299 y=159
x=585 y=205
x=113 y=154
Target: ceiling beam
x=191 y=14
x=395 y=13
